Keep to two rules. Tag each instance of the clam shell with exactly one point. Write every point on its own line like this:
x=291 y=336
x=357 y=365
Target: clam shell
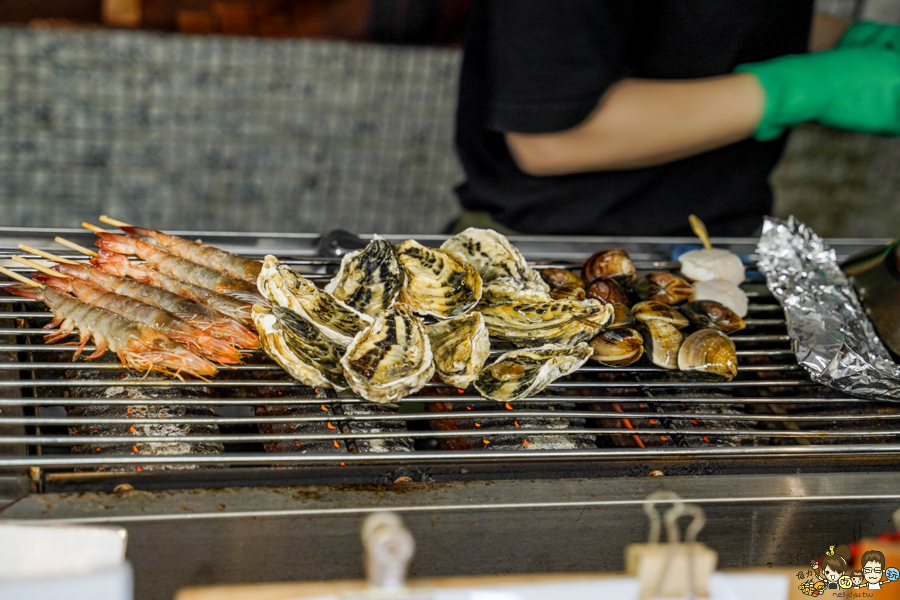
x=525 y=372
x=708 y=354
x=568 y=292
x=622 y=316
x=494 y=256
x=612 y=263
x=649 y=310
x=439 y=283
x=712 y=315
x=617 y=347
x=607 y=291
x=662 y=286
x=559 y=277
x=369 y=280
x=460 y=347
x=566 y=322
x=662 y=342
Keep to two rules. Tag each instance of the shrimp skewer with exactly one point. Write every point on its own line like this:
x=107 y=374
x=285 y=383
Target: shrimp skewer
x=181 y=269
x=165 y=322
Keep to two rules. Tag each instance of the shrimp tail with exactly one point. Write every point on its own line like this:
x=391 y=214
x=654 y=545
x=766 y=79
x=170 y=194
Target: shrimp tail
x=25 y=291
x=63 y=285
x=219 y=351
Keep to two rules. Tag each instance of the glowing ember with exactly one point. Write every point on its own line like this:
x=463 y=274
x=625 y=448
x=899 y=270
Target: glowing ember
x=330 y=426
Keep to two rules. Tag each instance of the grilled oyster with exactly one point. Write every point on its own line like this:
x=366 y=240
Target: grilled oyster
x=299 y=347
x=285 y=287
x=494 y=256
x=460 y=347
x=708 y=354
x=618 y=347
x=370 y=279
x=440 y=283
x=510 y=289
x=521 y=373
x=391 y=359
x=559 y=321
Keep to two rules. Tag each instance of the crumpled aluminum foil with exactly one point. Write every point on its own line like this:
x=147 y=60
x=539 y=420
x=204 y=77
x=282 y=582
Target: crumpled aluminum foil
x=830 y=333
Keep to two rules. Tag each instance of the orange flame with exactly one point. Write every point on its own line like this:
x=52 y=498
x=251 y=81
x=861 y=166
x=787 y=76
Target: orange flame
x=336 y=445
x=134 y=448
x=508 y=407
x=330 y=426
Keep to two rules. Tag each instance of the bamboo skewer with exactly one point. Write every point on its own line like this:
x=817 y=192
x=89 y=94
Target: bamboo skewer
x=41 y=268
x=113 y=222
x=47 y=255
x=699 y=230
x=93 y=228
x=75 y=247
x=20 y=278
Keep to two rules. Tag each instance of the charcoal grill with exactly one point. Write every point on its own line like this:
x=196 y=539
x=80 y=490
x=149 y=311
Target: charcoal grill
x=770 y=436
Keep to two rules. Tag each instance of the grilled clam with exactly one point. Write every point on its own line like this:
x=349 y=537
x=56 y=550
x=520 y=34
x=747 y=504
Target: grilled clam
x=299 y=347
x=391 y=359
x=559 y=321
x=613 y=263
x=622 y=316
x=439 y=283
x=709 y=314
x=460 y=347
x=663 y=287
x=708 y=354
x=521 y=373
x=285 y=287
x=607 y=291
x=568 y=292
x=370 y=279
x=617 y=347
x=559 y=277
x=662 y=341
x=649 y=310
x=494 y=256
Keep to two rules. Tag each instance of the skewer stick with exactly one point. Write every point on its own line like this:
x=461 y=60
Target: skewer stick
x=41 y=268
x=113 y=222
x=47 y=255
x=21 y=278
x=93 y=228
x=75 y=247
x=700 y=230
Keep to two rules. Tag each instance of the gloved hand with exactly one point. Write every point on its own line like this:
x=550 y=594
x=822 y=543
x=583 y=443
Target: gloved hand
x=867 y=34
x=849 y=88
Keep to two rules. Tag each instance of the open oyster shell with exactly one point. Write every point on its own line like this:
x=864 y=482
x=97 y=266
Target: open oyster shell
x=391 y=359
x=285 y=287
x=558 y=321
x=510 y=289
x=370 y=279
x=460 y=347
x=440 y=283
x=299 y=347
x=525 y=372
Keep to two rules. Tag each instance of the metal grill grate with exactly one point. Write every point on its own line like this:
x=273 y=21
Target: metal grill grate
x=83 y=415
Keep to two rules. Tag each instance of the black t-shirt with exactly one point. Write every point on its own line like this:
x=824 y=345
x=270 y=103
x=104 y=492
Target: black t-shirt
x=538 y=66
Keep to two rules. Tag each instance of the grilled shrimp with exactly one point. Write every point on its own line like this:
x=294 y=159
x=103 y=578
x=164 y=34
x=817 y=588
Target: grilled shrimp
x=179 y=268
x=138 y=346
x=208 y=256
x=165 y=322
x=118 y=264
x=209 y=321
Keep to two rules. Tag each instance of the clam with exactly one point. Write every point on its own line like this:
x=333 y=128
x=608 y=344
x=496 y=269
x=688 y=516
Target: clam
x=521 y=373
x=369 y=280
x=708 y=354
x=663 y=287
x=710 y=314
x=662 y=341
x=622 y=316
x=558 y=321
x=460 y=347
x=607 y=291
x=494 y=256
x=568 y=292
x=650 y=310
x=439 y=283
x=617 y=347
x=559 y=277
x=613 y=263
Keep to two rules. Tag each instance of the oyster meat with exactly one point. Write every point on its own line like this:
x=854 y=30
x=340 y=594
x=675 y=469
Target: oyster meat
x=521 y=373
x=299 y=347
x=439 y=283
x=460 y=347
x=370 y=279
x=285 y=287
x=391 y=359
x=566 y=322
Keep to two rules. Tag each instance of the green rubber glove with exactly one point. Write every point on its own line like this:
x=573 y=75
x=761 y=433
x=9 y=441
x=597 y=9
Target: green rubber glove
x=867 y=34
x=848 y=88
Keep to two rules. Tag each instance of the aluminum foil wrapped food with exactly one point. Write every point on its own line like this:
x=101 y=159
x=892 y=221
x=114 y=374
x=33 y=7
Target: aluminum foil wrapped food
x=830 y=333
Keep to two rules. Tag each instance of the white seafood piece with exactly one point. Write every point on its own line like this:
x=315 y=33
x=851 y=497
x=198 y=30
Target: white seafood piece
x=369 y=280
x=712 y=263
x=494 y=256
x=285 y=287
x=391 y=359
x=460 y=346
x=567 y=322
x=439 y=283
x=724 y=292
x=509 y=289
x=525 y=372
x=299 y=347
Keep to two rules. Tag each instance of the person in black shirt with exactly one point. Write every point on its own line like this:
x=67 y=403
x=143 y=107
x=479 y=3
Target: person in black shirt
x=618 y=117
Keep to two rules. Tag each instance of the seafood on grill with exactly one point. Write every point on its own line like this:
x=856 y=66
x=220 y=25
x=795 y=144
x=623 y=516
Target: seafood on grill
x=391 y=359
x=708 y=354
x=560 y=277
x=369 y=280
x=493 y=256
x=725 y=293
x=138 y=346
x=202 y=254
x=622 y=316
x=712 y=263
x=612 y=263
x=460 y=346
x=662 y=286
x=285 y=287
x=607 y=291
x=662 y=341
x=510 y=289
x=617 y=347
x=650 y=310
x=712 y=315
x=520 y=373
x=299 y=347
x=439 y=283
x=566 y=322
x=568 y=292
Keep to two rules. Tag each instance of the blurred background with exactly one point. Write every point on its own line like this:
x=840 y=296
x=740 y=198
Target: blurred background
x=299 y=116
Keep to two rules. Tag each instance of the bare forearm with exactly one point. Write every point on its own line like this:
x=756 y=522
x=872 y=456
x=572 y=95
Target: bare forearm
x=642 y=122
